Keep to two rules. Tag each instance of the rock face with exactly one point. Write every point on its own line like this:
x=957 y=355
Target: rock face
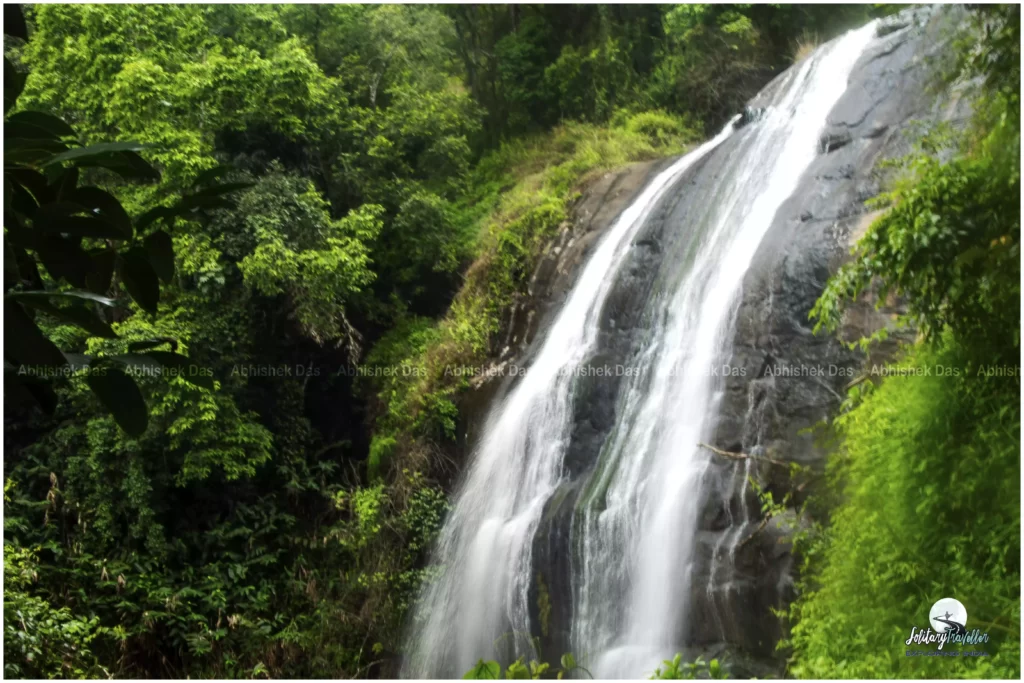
x=794 y=379
x=791 y=379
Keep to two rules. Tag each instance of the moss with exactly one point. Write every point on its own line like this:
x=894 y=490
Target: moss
x=381 y=449
x=543 y=605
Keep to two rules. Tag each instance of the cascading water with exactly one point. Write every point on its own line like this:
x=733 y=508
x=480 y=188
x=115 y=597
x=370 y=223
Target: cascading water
x=636 y=522
x=485 y=543
x=633 y=529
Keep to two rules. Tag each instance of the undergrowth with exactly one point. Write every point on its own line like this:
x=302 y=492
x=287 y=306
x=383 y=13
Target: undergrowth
x=930 y=481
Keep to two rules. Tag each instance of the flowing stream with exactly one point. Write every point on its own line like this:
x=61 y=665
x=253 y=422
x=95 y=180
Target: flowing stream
x=633 y=525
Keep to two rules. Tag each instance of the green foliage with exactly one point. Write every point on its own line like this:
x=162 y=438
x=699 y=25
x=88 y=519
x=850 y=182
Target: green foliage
x=399 y=171
x=531 y=66
x=38 y=640
x=300 y=251
x=950 y=243
x=714 y=60
x=489 y=670
x=84 y=238
x=660 y=127
x=588 y=84
x=426 y=227
x=929 y=474
x=162 y=75
x=370 y=109
x=517 y=670
x=229 y=536
x=677 y=669
x=674 y=669
x=412 y=371
x=927 y=470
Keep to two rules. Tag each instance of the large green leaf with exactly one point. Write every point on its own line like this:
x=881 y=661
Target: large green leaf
x=128 y=165
x=67 y=184
x=30 y=151
x=21 y=130
x=79 y=226
x=140 y=279
x=73 y=295
x=482 y=670
x=63 y=258
x=50 y=210
x=51 y=125
x=23 y=390
x=101 y=271
x=153 y=215
x=20 y=201
x=77 y=314
x=13 y=84
x=24 y=344
x=106 y=206
x=120 y=157
x=28 y=272
x=160 y=250
x=34 y=183
x=121 y=396
x=100 y=150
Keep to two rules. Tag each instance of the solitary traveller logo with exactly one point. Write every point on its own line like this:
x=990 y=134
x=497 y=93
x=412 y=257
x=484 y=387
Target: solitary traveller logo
x=948 y=619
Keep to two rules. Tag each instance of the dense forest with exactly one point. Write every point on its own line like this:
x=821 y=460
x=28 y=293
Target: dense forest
x=247 y=241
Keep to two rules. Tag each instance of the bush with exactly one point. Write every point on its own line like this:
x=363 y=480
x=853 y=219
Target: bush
x=929 y=474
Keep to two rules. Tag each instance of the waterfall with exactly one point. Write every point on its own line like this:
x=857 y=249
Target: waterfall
x=634 y=522
x=636 y=525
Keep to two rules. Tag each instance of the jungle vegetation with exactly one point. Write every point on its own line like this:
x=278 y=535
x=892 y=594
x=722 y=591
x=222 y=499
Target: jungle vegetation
x=221 y=220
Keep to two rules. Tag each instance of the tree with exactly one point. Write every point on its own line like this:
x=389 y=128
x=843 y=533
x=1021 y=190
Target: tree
x=89 y=248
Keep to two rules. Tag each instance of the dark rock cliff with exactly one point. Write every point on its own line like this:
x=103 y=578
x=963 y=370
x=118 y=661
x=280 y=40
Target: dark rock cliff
x=794 y=379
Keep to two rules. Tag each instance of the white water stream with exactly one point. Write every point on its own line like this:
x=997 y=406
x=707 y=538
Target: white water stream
x=634 y=524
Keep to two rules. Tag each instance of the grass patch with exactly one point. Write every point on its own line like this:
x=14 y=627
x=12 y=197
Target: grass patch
x=807 y=44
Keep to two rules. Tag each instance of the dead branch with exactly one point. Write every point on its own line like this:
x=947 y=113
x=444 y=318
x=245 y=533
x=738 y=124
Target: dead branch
x=857 y=381
x=755 y=532
x=742 y=456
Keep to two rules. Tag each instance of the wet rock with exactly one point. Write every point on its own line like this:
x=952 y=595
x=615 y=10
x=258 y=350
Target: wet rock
x=830 y=141
x=550 y=607
x=594 y=212
x=805 y=376
x=750 y=114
